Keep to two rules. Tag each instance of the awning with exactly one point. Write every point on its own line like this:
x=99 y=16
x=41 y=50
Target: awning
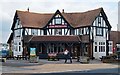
x=56 y=38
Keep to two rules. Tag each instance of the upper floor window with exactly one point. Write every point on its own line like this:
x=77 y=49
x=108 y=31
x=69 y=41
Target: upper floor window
x=58 y=20
x=17 y=33
x=58 y=31
x=34 y=32
x=99 y=31
x=87 y=30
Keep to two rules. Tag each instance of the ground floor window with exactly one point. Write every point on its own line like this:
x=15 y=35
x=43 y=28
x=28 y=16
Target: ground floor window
x=101 y=46
x=110 y=44
x=55 y=48
x=95 y=46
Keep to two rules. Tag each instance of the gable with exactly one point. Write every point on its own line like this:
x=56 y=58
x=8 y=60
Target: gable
x=57 y=21
x=101 y=20
x=31 y=20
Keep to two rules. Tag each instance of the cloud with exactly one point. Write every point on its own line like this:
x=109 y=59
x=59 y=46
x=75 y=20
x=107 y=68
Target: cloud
x=50 y=6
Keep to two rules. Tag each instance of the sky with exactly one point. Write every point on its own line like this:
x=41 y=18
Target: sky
x=8 y=8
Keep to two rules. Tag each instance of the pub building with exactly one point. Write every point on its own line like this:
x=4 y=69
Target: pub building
x=82 y=33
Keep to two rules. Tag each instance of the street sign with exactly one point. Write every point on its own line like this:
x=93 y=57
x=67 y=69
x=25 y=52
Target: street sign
x=32 y=51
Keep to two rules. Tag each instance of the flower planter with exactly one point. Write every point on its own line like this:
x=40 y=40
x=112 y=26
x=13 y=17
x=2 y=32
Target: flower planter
x=84 y=59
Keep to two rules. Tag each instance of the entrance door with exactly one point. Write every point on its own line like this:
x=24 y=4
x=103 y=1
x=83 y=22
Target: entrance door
x=96 y=52
x=76 y=51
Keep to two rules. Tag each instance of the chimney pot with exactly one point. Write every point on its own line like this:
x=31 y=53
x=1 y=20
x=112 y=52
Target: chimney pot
x=28 y=9
x=62 y=10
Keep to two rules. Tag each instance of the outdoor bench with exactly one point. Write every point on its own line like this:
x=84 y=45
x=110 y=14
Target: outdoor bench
x=20 y=57
x=52 y=56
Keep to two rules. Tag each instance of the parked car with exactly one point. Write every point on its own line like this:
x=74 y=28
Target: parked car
x=4 y=53
x=118 y=54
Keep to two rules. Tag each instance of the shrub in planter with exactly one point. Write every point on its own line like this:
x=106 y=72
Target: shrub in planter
x=84 y=59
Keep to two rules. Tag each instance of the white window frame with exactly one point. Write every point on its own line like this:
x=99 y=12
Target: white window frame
x=102 y=46
x=110 y=45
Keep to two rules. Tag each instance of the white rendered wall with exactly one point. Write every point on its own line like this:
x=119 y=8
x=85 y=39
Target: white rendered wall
x=98 y=39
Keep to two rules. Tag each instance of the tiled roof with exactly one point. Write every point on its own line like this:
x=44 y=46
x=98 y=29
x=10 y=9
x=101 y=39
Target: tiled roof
x=56 y=38
x=82 y=19
x=37 y=20
x=27 y=38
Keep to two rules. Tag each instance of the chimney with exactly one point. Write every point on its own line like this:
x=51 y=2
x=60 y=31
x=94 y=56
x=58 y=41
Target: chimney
x=62 y=10
x=28 y=9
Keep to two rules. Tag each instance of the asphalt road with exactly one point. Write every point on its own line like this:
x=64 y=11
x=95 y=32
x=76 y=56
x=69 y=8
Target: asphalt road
x=15 y=65
x=64 y=74
x=114 y=71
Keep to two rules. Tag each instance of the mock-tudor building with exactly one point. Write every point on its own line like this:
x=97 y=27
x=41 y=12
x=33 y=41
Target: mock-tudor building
x=82 y=33
x=114 y=42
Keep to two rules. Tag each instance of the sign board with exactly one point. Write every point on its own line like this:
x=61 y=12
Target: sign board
x=32 y=51
x=57 y=26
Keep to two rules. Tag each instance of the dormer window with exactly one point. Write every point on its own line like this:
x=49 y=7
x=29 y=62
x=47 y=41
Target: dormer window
x=58 y=20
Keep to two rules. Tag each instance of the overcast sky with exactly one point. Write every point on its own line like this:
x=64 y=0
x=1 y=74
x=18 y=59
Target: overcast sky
x=8 y=8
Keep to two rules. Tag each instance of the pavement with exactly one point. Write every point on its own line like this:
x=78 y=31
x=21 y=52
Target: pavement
x=45 y=66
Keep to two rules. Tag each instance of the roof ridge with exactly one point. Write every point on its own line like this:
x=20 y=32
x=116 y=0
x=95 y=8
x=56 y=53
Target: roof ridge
x=62 y=13
x=83 y=11
x=35 y=12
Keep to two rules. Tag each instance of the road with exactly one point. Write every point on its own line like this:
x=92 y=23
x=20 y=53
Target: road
x=58 y=67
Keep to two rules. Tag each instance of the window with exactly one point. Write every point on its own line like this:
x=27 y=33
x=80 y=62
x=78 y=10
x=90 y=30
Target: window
x=80 y=31
x=99 y=20
x=19 y=46
x=18 y=32
x=63 y=22
x=58 y=21
x=99 y=31
x=58 y=31
x=95 y=46
x=34 y=32
x=101 y=46
x=40 y=48
x=86 y=30
x=110 y=44
x=15 y=47
x=17 y=25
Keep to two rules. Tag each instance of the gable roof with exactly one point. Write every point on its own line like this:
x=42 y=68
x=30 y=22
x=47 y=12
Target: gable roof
x=38 y=20
x=33 y=19
x=82 y=19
